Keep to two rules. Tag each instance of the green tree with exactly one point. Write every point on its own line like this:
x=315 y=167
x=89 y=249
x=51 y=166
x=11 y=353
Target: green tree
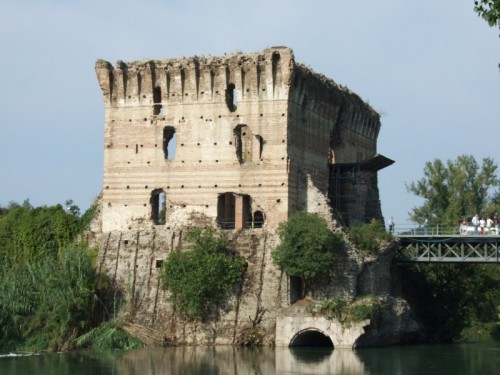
x=200 y=277
x=50 y=291
x=454 y=189
x=308 y=247
x=489 y=10
x=28 y=233
x=451 y=297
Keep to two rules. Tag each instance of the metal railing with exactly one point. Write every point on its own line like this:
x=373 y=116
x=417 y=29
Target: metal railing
x=413 y=229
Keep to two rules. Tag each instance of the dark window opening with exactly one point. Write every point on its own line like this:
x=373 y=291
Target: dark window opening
x=225 y=211
x=169 y=142
x=258 y=219
x=158 y=206
x=243 y=143
x=157 y=107
x=158 y=263
x=231 y=97
x=234 y=211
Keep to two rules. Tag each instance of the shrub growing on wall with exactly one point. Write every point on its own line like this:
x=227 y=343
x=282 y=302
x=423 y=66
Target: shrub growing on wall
x=368 y=237
x=201 y=276
x=308 y=247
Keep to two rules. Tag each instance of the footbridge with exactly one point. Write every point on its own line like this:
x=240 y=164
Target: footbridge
x=449 y=248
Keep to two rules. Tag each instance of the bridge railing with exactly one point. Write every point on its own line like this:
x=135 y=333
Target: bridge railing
x=413 y=229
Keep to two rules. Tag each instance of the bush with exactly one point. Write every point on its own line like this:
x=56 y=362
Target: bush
x=308 y=247
x=200 y=277
x=368 y=237
x=50 y=291
x=108 y=336
x=346 y=312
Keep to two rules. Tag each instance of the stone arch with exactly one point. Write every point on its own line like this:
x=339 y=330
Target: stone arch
x=311 y=337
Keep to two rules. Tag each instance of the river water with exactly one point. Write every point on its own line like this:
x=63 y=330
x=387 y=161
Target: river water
x=476 y=358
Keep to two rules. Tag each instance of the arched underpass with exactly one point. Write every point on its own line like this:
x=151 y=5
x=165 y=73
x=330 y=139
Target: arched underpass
x=311 y=337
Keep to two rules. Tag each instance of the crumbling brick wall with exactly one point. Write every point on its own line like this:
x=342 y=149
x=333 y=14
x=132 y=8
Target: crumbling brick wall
x=239 y=142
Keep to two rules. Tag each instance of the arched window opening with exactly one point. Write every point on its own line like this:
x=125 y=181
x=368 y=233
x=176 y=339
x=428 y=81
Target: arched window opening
x=169 y=142
x=157 y=107
x=158 y=206
x=311 y=337
x=258 y=219
x=231 y=97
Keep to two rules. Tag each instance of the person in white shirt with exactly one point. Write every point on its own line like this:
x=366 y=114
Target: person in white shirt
x=475 y=222
x=489 y=224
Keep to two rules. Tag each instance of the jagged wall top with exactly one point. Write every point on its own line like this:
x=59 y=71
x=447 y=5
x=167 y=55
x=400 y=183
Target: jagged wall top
x=274 y=69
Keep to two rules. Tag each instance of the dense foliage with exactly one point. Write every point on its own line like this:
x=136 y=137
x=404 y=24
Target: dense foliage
x=453 y=190
x=50 y=290
x=368 y=237
x=30 y=234
x=308 y=247
x=451 y=297
x=200 y=277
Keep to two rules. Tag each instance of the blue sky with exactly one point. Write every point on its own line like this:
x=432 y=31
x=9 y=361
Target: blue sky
x=429 y=67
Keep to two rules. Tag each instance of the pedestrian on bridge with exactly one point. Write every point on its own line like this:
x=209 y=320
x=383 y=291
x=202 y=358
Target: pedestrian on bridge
x=391 y=225
x=463 y=226
x=482 y=223
x=475 y=222
x=489 y=225
x=426 y=226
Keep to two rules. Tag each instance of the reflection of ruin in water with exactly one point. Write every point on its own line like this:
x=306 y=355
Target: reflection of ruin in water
x=231 y=360
x=477 y=358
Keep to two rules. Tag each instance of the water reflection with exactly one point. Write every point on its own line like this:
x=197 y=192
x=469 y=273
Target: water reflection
x=483 y=358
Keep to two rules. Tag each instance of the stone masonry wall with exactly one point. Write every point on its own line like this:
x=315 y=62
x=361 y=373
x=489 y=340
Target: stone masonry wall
x=238 y=142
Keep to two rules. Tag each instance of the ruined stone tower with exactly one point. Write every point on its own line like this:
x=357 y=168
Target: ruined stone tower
x=238 y=142
x=244 y=139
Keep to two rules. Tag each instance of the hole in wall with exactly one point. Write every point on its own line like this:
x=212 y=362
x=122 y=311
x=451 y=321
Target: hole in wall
x=158 y=206
x=169 y=142
x=231 y=97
